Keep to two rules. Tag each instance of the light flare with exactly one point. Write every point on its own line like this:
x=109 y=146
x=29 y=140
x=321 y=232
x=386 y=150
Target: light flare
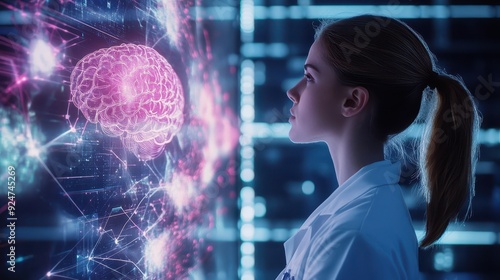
x=156 y=253
x=169 y=15
x=33 y=149
x=43 y=58
x=181 y=191
x=20 y=147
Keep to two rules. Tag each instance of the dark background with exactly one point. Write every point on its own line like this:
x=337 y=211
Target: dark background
x=465 y=37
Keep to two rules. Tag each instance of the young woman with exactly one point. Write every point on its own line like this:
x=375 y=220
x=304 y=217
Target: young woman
x=365 y=81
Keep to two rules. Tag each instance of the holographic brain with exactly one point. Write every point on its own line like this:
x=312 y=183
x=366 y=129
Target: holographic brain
x=133 y=93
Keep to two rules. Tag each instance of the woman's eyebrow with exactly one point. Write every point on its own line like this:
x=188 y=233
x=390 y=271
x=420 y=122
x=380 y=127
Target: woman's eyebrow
x=311 y=66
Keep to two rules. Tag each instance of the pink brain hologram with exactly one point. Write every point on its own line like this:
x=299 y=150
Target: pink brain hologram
x=133 y=93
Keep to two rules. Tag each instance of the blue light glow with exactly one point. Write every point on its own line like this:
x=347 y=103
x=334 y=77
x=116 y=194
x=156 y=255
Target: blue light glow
x=398 y=11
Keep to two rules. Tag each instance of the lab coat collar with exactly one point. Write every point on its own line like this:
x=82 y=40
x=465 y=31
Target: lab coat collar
x=381 y=173
x=376 y=174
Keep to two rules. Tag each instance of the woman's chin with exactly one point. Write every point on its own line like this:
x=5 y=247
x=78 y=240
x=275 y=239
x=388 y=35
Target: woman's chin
x=293 y=137
x=297 y=138
x=302 y=138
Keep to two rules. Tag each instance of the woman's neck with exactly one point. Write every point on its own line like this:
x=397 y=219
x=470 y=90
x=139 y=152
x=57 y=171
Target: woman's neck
x=350 y=154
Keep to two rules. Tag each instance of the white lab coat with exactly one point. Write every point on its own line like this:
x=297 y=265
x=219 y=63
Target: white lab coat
x=362 y=231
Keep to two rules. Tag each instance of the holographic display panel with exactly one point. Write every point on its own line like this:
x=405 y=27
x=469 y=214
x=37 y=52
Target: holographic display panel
x=118 y=126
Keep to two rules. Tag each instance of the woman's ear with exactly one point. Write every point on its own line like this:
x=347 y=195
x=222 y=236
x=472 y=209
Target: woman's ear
x=355 y=101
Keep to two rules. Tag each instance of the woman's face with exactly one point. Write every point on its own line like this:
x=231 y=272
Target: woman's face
x=317 y=100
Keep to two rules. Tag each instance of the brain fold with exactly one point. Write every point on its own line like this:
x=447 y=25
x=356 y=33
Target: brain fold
x=133 y=93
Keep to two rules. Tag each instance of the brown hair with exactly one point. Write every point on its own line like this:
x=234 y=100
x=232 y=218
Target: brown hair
x=394 y=64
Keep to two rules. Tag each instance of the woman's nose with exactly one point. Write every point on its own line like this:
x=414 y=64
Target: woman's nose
x=290 y=96
x=293 y=94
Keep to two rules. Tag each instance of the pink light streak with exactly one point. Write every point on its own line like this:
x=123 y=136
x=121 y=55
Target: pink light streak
x=170 y=17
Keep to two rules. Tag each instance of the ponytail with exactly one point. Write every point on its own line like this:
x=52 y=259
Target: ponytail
x=449 y=157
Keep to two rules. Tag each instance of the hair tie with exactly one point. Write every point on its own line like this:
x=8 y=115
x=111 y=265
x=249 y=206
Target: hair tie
x=433 y=80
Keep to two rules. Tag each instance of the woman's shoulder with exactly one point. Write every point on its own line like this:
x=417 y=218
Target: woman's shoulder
x=379 y=212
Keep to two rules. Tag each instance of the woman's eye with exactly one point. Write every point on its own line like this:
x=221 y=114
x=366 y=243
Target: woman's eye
x=308 y=77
